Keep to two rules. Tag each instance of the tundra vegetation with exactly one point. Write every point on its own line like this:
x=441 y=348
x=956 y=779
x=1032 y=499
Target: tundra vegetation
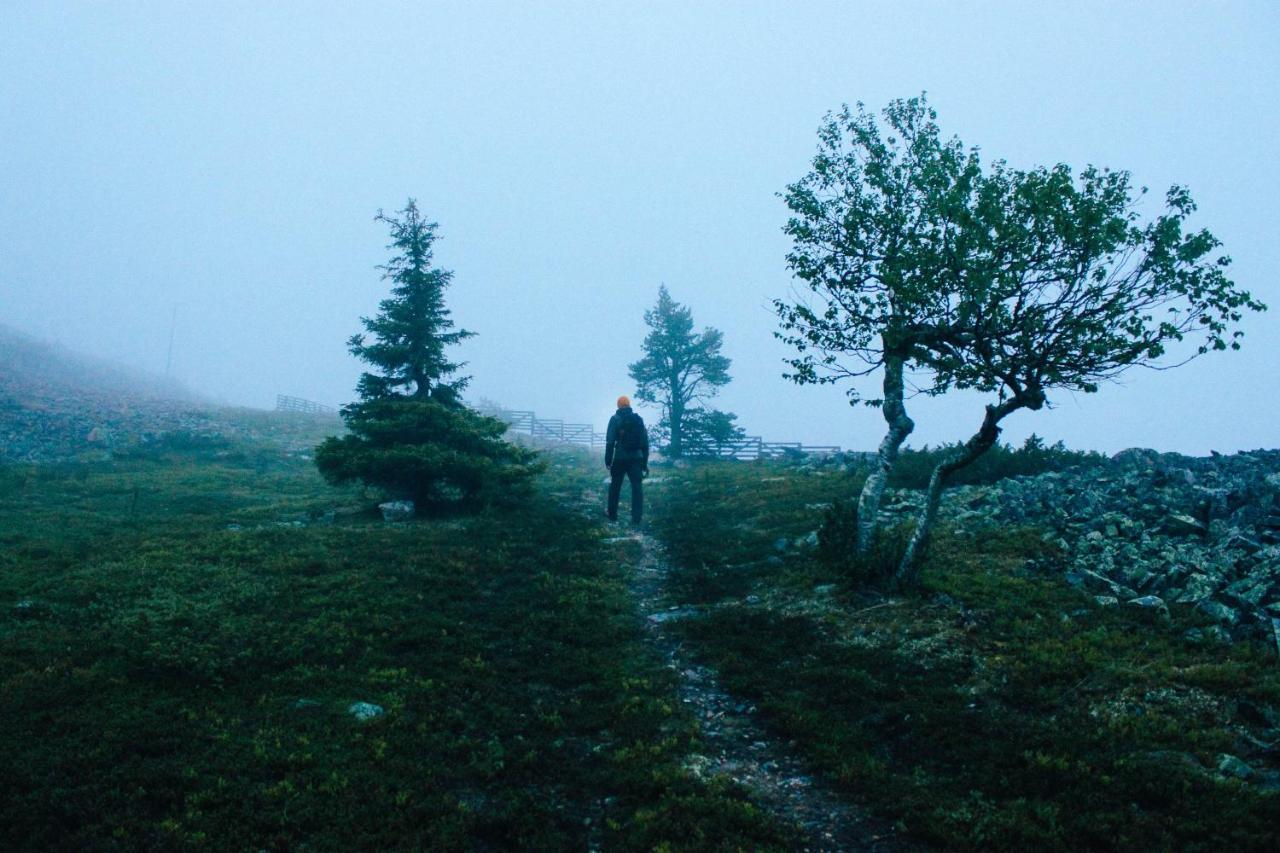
x=921 y=263
x=187 y=625
x=991 y=707
x=198 y=634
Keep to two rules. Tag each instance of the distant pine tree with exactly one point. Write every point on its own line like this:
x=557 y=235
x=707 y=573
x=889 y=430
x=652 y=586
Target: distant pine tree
x=680 y=369
x=411 y=434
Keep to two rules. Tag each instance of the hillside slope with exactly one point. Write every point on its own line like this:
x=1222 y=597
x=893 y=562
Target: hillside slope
x=58 y=405
x=38 y=369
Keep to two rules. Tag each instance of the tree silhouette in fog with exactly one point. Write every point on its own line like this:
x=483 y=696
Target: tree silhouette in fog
x=411 y=434
x=877 y=240
x=1071 y=286
x=924 y=265
x=680 y=368
x=413 y=327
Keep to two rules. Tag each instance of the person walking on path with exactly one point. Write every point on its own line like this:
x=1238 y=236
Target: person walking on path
x=626 y=454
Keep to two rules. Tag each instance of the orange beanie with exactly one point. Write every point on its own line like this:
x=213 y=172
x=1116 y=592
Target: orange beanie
x=624 y=401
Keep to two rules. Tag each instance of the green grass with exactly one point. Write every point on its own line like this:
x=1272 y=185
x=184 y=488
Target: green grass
x=993 y=708
x=169 y=683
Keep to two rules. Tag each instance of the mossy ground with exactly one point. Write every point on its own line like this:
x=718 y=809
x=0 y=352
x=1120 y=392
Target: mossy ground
x=993 y=708
x=170 y=683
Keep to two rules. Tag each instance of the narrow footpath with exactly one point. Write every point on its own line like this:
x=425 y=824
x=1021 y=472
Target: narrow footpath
x=740 y=746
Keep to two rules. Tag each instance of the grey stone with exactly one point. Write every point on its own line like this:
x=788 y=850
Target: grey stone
x=397 y=510
x=1150 y=602
x=1218 y=611
x=671 y=613
x=1097 y=581
x=365 y=711
x=1106 y=600
x=1230 y=765
x=781 y=544
x=1249 y=591
x=29 y=608
x=1135 y=526
x=1218 y=634
x=1197 y=588
x=1184 y=525
x=1143 y=456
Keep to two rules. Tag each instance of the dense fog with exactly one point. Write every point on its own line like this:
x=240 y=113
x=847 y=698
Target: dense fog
x=213 y=172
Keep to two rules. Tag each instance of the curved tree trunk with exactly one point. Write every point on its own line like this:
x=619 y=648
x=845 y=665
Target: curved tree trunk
x=675 y=445
x=981 y=441
x=900 y=426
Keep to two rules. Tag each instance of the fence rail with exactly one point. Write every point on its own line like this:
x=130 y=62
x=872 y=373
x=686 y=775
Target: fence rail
x=745 y=448
x=551 y=429
x=285 y=403
x=754 y=447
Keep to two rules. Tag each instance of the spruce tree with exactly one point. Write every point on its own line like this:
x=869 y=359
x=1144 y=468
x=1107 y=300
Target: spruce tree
x=411 y=434
x=413 y=326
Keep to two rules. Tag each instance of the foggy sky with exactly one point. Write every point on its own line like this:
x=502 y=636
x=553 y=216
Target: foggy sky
x=229 y=159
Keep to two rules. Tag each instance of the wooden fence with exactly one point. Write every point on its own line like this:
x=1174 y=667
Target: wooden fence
x=554 y=429
x=549 y=429
x=285 y=403
x=754 y=447
x=745 y=448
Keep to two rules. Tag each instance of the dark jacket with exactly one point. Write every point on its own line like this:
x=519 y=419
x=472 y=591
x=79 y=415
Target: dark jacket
x=611 y=450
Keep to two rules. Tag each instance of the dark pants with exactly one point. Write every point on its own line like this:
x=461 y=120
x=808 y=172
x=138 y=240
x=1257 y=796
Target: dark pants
x=632 y=470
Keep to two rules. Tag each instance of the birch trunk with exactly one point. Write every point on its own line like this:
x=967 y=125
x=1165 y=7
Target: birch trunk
x=900 y=426
x=981 y=441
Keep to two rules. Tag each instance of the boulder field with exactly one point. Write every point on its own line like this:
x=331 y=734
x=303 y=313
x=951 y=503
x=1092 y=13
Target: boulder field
x=1148 y=529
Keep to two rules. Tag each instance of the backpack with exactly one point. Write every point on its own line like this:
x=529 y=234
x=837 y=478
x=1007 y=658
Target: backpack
x=631 y=435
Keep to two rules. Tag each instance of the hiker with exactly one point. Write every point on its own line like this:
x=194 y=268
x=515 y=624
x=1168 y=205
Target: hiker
x=626 y=454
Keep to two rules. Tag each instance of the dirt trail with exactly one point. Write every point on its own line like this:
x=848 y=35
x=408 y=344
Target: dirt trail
x=740 y=747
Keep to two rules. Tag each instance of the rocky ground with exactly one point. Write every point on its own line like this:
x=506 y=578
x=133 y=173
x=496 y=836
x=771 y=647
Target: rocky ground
x=1150 y=529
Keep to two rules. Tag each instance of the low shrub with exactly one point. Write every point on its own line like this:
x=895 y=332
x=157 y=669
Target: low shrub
x=838 y=545
x=914 y=467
